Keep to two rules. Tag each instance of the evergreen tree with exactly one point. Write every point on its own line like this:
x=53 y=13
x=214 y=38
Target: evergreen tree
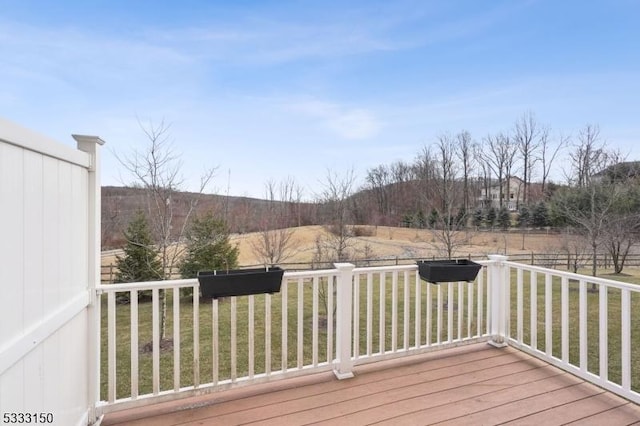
x=421 y=221
x=478 y=217
x=461 y=218
x=540 y=216
x=491 y=217
x=433 y=218
x=524 y=217
x=504 y=219
x=408 y=220
x=207 y=247
x=140 y=261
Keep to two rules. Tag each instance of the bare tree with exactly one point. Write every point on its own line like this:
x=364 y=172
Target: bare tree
x=588 y=209
x=499 y=156
x=401 y=172
x=621 y=234
x=484 y=173
x=275 y=243
x=548 y=155
x=622 y=230
x=602 y=207
x=464 y=153
x=336 y=243
x=336 y=198
x=576 y=246
x=592 y=201
x=527 y=139
x=424 y=170
x=156 y=169
x=378 y=180
x=589 y=156
x=296 y=197
x=449 y=224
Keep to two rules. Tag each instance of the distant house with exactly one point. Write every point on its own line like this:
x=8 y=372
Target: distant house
x=512 y=195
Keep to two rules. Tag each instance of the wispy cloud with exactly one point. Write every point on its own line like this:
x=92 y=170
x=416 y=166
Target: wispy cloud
x=349 y=123
x=281 y=38
x=74 y=54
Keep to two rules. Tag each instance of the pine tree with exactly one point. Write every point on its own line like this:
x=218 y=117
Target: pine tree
x=491 y=217
x=461 y=218
x=478 y=217
x=140 y=261
x=207 y=247
x=504 y=219
x=540 y=216
x=421 y=221
x=407 y=220
x=524 y=217
x=433 y=218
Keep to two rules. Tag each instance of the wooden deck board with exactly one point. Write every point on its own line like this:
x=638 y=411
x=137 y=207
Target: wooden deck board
x=385 y=394
x=477 y=384
x=574 y=411
x=466 y=399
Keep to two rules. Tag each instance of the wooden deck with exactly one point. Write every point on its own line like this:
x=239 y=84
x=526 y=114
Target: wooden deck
x=471 y=385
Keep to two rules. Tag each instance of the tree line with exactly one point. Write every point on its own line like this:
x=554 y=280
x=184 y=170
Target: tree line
x=455 y=185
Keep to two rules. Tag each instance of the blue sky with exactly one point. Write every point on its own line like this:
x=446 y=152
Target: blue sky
x=270 y=89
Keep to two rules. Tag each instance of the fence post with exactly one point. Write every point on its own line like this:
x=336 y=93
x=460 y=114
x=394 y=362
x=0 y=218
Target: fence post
x=91 y=145
x=498 y=282
x=343 y=365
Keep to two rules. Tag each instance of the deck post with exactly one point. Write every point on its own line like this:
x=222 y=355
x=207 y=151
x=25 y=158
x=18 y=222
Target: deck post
x=91 y=145
x=343 y=365
x=498 y=282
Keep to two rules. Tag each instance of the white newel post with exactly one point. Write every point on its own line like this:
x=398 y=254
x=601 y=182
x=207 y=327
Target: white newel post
x=90 y=145
x=343 y=365
x=499 y=305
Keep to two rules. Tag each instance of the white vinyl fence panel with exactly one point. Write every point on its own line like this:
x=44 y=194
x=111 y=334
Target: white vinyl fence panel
x=45 y=226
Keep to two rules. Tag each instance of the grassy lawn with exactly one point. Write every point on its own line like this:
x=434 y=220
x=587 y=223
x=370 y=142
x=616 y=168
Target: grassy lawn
x=438 y=308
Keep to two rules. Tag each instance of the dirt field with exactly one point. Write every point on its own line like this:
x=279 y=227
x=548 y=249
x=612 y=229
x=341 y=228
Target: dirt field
x=390 y=242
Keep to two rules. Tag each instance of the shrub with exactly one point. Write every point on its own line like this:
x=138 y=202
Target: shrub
x=364 y=231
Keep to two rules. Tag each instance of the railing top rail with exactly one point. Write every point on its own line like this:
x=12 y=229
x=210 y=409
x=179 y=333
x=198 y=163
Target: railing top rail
x=191 y=282
x=311 y=273
x=574 y=276
x=390 y=268
x=147 y=285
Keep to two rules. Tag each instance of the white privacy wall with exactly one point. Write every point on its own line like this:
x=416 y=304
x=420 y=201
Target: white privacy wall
x=44 y=277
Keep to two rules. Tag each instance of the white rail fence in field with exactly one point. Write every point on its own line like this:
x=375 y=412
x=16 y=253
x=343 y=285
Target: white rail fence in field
x=336 y=318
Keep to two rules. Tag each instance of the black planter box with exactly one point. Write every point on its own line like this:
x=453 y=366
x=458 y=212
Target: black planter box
x=240 y=282
x=444 y=271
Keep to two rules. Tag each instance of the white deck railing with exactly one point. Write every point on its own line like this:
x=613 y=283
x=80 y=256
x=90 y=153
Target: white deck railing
x=320 y=320
x=395 y=313
x=337 y=318
x=579 y=323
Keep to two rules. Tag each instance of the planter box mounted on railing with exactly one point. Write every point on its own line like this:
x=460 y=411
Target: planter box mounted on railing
x=444 y=271
x=240 y=282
